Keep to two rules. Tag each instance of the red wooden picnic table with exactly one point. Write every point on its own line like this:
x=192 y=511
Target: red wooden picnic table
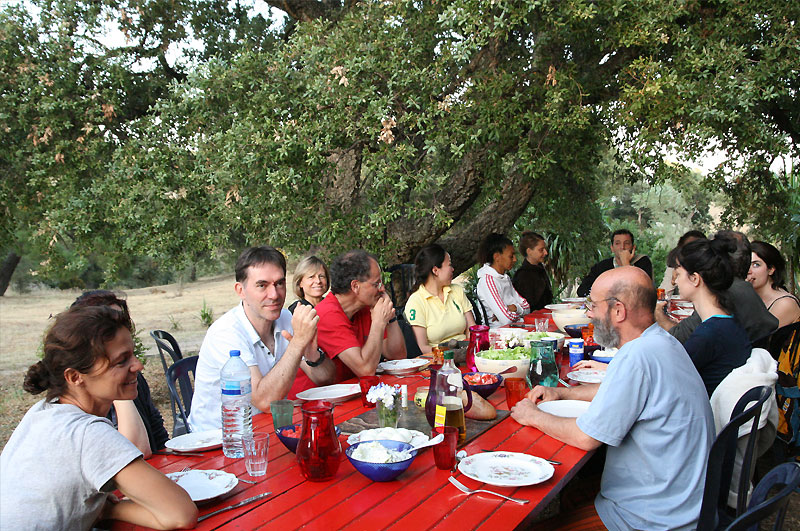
x=421 y=498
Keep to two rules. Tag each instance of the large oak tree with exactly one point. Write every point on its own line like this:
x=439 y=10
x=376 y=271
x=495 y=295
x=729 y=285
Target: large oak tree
x=387 y=125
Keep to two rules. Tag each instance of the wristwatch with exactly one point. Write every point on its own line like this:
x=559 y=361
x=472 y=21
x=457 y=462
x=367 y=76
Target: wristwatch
x=319 y=361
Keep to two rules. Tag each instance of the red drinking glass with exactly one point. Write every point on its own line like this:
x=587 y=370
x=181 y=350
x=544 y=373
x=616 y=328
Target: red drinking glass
x=516 y=389
x=318 y=451
x=366 y=383
x=444 y=453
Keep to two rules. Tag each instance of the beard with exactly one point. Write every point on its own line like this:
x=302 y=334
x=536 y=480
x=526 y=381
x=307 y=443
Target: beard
x=605 y=334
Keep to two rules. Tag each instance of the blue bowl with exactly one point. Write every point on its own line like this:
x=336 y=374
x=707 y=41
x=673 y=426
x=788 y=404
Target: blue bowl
x=382 y=471
x=574 y=331
x=291 y=442
x=485 y=390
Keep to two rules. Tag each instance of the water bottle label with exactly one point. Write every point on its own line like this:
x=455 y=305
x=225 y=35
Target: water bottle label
x=236 y=388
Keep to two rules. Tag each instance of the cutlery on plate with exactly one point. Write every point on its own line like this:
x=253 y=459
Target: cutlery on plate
x=234 y=506
x=548 y=460
x=460 y=486
x=247 y=481
x=564 y=383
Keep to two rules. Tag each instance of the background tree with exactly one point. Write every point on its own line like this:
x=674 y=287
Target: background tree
x=386 y=125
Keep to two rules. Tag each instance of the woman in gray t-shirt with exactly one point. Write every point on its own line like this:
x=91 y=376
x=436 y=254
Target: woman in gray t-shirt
x=65 y=457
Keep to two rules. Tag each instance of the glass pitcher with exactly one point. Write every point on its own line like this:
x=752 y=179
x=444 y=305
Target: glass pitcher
x=478 y=342
x=434 y=393
x=318 y=451
x=543 y=369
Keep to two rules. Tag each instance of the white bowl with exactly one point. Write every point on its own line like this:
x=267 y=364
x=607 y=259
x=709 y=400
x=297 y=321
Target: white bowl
x=569 y=317
x=496 y=366
x=562 y=307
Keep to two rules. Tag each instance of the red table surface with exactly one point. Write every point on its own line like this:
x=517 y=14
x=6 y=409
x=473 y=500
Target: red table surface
x=421 y=498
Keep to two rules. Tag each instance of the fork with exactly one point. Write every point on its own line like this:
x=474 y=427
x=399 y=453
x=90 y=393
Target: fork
x=460 y=486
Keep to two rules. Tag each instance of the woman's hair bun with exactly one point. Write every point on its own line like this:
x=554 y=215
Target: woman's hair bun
x=37 y=379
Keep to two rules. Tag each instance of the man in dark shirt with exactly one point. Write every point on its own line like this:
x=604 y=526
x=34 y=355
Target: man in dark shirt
x=531 y=279
x=624 y=250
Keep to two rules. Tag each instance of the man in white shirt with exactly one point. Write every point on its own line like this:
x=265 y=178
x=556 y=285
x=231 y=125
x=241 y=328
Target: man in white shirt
x=273 y=342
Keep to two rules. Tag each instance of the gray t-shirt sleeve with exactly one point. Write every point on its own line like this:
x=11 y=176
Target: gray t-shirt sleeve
x=617 y=404
x=104 y=453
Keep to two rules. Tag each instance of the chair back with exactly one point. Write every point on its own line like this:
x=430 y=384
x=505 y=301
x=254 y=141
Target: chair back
x=412 y=347
x=401 y=283
x=483 y=318
x=719 y=469
x=180 y=380
x=785 y=475
x=167 y=347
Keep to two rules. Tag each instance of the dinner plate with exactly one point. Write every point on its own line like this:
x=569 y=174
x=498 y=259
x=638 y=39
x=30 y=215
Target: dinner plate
x=204 y=485
x=399 y=367
x=506 y=469
x=587 y=375
x=196 y=441
x=412 y=437
x=332 y=393
x=565 y=408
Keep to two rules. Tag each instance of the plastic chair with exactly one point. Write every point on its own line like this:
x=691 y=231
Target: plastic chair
x=182 y=372
x=786 y=475
x=166 y=344
x=719 y=470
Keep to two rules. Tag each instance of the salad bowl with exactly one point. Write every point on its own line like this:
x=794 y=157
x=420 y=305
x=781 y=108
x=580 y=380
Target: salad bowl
x=497 y=361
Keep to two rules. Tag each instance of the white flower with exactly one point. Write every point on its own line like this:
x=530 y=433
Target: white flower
x=384 y=393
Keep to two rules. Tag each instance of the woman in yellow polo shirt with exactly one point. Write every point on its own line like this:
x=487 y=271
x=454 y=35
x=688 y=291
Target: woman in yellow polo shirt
x=438 y=310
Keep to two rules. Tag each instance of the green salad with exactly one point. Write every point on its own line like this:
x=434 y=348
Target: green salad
x=517 y=353
x=536 y=336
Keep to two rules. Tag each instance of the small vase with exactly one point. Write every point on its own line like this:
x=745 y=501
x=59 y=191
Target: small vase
x=387 y=417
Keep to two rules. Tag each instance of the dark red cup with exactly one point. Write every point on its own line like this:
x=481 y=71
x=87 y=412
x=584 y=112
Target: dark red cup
x=516 y=389
x=444 y=453
x=366 y=382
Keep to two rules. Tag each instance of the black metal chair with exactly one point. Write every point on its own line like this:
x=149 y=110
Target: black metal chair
x=412 y=347
x=719 y=470
x=167 y=346
x=481 y=317
x=401 y=283
x=785 y=475
x=180 y=379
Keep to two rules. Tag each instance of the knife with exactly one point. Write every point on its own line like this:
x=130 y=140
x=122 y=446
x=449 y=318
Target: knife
x=234 y=506
x=173 y=452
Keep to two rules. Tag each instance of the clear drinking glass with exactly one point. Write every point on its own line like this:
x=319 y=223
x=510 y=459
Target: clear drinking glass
x=255 y=453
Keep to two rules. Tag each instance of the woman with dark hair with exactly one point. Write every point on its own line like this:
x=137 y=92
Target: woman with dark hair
x=64 y=459
x=310 y=282
x=719 y=344
x=766 y=274
x=438 y=310
x=495 y=291
x=139 y=420
x=668 y=282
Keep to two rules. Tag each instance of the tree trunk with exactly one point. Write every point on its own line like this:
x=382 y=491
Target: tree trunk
x=7 y=269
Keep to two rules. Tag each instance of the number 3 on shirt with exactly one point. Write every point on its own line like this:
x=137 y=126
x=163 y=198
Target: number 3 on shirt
x=413 y=314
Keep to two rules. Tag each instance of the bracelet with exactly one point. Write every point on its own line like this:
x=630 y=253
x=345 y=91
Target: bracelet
x=319 y=361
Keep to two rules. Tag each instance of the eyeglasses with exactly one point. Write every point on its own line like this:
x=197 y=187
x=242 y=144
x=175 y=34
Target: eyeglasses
x=376 y=285
x=590 y=303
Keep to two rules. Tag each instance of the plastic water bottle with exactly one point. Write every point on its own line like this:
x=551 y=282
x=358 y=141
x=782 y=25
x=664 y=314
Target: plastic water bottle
x=234 y=379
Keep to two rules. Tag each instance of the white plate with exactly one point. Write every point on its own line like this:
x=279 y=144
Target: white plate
x=196 y=441
x=574 y=300
x=332 y=393
x=204 y=485
x=682 y=312
x=564 y=408
x=587 y=375
x=684 y=304
x=506 y=469
x=400 y=367
x=413 y=437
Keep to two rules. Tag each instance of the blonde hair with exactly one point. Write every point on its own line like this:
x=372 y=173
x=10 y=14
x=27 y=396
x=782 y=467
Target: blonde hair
x=306 y=266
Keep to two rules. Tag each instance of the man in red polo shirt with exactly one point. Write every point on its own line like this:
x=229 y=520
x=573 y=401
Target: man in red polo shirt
x=357 y=322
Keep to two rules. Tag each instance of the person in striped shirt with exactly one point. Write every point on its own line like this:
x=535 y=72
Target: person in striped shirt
x=503 y=304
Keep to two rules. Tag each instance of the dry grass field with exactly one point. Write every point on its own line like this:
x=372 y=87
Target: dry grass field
x=25 y=317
